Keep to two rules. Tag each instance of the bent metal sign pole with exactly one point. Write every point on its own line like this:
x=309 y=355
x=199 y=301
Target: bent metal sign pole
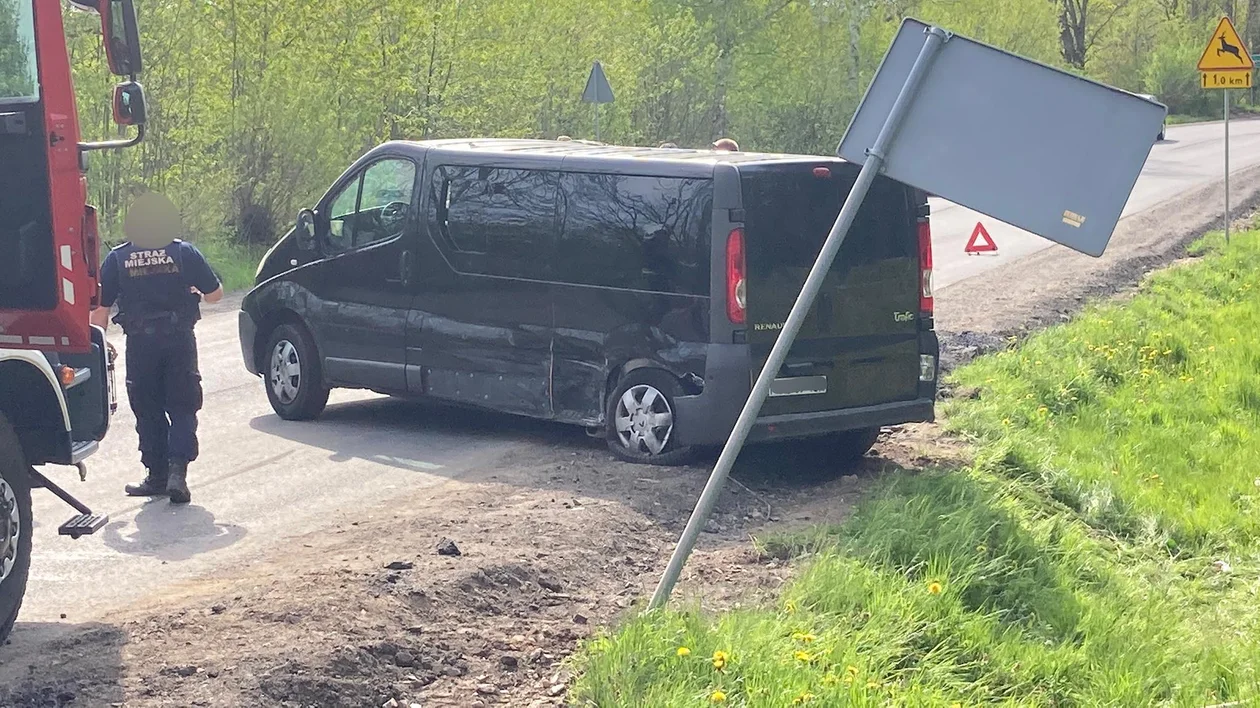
x=1003 y=135
x=935 y=37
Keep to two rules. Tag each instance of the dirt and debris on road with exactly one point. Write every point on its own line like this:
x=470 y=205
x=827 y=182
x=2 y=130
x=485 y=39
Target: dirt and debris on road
x=474 y=594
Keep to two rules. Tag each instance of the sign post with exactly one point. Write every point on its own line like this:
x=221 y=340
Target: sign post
x=1225 y=64
x=597 y=91
x=962 y=120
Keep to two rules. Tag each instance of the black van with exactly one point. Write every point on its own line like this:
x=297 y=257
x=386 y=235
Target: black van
x=634 y=291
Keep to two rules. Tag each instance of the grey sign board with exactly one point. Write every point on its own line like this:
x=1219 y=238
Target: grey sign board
x=1025 y=143
x=597 y=88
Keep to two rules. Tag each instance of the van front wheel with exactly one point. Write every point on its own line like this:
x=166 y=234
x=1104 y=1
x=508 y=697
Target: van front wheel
x=641 y=417
x=293 y=375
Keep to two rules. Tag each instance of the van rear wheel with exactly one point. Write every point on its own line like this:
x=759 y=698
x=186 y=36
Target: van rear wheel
x=15 y=527
x=293 y=374
x=641 y=418
x=850 y=445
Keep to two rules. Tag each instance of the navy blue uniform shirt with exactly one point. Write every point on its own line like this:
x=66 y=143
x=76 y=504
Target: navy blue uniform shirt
x=147 y=282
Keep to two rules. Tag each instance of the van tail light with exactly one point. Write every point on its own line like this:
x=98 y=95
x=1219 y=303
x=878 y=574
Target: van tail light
x=927 y=305
x=736 y=283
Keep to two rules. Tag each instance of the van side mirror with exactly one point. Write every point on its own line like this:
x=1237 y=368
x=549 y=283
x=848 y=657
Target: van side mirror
x=121 y=34
x=305 y=230
x=129 y=105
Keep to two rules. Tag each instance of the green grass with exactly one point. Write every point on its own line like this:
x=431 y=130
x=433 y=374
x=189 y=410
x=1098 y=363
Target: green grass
x=1072 y=564
x=234 y=263
x=1236 y=111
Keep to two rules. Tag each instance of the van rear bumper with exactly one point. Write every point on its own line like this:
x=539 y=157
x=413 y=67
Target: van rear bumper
x=707 y=419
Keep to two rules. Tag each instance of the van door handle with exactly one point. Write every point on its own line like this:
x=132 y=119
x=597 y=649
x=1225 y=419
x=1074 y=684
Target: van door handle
x=404 y=267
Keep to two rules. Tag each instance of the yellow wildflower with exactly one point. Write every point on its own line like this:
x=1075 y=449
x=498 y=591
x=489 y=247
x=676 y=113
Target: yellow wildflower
x=803 y=637
x=803 y=656
x=720 y=659
x=935 y=587
x=717 y=697
x=684 y=651
x=803 y=698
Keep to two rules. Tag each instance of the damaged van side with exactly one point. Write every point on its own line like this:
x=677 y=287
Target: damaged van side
x=633 y=291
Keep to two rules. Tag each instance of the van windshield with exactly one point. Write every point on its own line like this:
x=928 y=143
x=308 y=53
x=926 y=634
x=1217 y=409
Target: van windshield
x=19 y=80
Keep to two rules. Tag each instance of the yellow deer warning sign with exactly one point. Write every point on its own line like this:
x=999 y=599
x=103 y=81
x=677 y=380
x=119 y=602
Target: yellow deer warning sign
x=1225 y=51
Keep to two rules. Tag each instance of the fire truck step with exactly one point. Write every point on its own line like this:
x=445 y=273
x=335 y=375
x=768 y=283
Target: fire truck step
x=83 y=525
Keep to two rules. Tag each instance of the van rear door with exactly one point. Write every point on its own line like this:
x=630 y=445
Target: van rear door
x=859 y=346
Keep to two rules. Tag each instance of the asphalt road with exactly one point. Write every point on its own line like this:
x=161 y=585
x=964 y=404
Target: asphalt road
x=262 y=481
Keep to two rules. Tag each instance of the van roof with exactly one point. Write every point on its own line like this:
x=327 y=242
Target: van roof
x=586 y=153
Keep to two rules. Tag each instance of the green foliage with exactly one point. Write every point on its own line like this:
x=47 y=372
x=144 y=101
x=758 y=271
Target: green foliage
x=1074 y=563
x=257 y=105
x=16 y=58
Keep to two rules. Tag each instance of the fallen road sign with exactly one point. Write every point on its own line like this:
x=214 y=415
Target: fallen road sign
x=980 y=233
x=987 y=130
x=1010 y=138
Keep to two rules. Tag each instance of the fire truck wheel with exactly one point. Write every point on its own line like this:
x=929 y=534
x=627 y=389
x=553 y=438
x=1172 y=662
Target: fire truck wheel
x=15 y=527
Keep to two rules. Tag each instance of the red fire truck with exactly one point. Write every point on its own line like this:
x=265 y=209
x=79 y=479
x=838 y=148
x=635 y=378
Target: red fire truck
x=56 y=392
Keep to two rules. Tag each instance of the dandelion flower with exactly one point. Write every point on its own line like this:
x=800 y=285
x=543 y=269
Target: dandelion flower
x=717 y=697
x=872 y=684
x=803 y=656
x=803 y=698
x=720 y=659
x=684 y=651
x=803 y=637
x=851 y=670
x=935 y=587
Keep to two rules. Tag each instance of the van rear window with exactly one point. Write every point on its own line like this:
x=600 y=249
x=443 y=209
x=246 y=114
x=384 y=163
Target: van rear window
x=789 y=212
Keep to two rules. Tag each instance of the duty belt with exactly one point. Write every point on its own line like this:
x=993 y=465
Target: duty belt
x=157 y=323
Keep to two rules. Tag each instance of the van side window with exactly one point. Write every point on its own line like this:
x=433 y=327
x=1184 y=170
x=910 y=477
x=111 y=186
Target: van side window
x=642 y=233
x=341 y=217
x=385 y=203
x=494 y=221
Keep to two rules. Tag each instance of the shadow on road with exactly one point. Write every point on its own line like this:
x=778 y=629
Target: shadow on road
x=170 y=532
x=430 y=437
x=420 y=436
x=44 y=664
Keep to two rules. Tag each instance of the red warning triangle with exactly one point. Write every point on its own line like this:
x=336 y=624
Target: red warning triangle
x=980 y=233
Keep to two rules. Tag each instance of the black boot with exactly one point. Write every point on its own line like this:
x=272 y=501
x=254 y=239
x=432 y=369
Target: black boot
x=177 y=483
x=154 y=485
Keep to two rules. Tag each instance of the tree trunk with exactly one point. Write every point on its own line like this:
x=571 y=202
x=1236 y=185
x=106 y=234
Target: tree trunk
x=1073 y=18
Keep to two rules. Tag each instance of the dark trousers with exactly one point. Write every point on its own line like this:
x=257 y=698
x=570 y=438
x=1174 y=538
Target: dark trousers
x=164 y=387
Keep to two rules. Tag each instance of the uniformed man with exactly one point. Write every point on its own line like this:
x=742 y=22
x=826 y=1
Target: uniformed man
x=158 y=281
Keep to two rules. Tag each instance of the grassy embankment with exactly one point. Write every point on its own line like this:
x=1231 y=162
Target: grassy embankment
x=1102 y=549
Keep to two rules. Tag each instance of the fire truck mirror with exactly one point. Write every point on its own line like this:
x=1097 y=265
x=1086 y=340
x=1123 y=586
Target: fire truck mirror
x=306 y=230
x=129 y=106
x=121 y=33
